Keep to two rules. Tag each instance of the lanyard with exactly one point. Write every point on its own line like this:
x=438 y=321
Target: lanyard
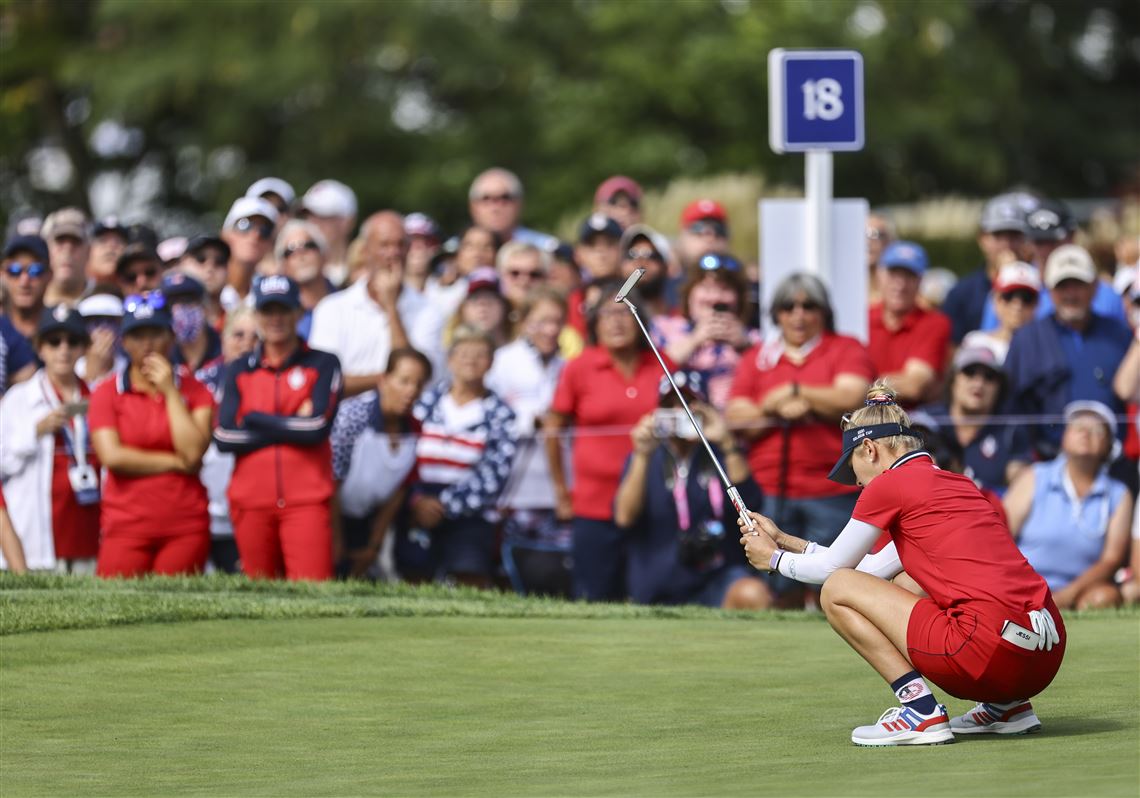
x=75 y=437
x=681 y=496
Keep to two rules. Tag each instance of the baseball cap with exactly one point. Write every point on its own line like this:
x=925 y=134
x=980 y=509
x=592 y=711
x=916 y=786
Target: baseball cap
x=1051 y=221
x=65 y=222
x=976 y=355
x=618 y=184
x=1069 y=262
x=107 y=305
x=33 y=245
x=272 y=185
x=329 y=198
x=1091 y=406
x=171 y=249
x=904 y=255
x=245 y=207
x=1005 y=212
x=690 y=382
x=109 y=224
x=276 y=289
x=201 y=241
x=701 y=209
x=420 y=224
x=655 y=239
x=178 y=284
x=482 y=279
x=599 y=224
x=135 y=252
x=145 y=310
x=1017 y=275
x=61 y=318
x=139 y=233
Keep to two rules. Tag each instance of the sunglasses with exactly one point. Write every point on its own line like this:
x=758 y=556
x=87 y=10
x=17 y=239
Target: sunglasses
x=646 y=253
x=151 y=299
x=293 y=249
x=875 y=235
x=141 y=274
x=55 y=341
x=33 y=270
x=1026 y=297
x=987 y=374
x=496 y=198
x=263 y=229
x=217 y=260
x=718 y=229
x=519 y=274
x=622 y=201
x=807 y=306
x=712 y=262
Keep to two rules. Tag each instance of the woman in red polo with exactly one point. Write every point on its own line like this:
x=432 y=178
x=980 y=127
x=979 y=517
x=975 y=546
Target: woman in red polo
x=150 y=426
x=987 y=628
x=787 y=396
x=602 y=393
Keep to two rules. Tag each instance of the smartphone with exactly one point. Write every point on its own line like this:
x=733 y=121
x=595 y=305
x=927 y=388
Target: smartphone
x=73 y=409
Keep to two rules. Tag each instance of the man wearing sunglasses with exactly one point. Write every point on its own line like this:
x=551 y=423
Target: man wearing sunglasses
x=495 y=202
x=207 y=260
x=642 y=247
x=69 y=243
x=27 y=274
x=619 y=197
x=704 y=229
x=248 y=230
x=331 y=206
x=108 y=240
x=138 y=269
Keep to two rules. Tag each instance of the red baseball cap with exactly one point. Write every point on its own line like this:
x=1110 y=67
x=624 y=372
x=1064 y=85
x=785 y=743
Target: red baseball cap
x=617 y=184
x=699 y=210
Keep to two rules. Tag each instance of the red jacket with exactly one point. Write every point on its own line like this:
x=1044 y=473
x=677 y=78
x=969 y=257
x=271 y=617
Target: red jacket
x=283 y=458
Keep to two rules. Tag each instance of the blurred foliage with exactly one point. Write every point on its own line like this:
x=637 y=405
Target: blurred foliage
x=407 y=101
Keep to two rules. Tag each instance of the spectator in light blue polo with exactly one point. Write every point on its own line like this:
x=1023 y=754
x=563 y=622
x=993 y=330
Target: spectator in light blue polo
x=1070 y=518
x=1071 y=354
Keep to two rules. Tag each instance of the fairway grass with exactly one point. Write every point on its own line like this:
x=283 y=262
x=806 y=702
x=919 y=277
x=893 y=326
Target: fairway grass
x=355 y=690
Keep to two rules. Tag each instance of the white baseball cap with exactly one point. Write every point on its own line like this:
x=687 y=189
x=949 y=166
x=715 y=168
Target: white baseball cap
x=329 y=198
x=272 y=185
x=244 y=207
x=1069 y=262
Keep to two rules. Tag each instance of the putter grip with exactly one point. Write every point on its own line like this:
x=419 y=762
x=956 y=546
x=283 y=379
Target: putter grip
x=738 y=503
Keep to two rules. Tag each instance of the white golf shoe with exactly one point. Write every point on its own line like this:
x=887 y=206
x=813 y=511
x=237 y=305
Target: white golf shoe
x=906 y=726
x=990 y=719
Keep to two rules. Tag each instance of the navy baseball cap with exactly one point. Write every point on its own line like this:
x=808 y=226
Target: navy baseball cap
x=33 y=245
x=145 y=310
x=276 y=289
x=905 y=255
x=181 y=286
x=63 y=319
x=842 y=472
x=200 y=242
x=1051 y=221
x=598 y=224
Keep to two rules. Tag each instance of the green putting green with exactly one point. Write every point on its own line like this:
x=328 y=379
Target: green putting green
x=548 y=699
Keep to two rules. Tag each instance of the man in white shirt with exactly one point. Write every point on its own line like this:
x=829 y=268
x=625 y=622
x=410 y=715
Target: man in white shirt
x=377 y=313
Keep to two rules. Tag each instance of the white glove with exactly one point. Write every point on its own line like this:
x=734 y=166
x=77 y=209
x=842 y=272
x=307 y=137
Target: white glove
x=1045 y=628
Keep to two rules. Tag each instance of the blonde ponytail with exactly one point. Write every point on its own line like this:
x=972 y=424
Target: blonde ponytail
x=881 y=407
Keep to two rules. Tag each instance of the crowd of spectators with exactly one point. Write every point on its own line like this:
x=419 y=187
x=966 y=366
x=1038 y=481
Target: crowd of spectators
x=296 y=396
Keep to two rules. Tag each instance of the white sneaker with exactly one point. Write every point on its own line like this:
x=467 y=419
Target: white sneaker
x=906 y=726
x=989 y=719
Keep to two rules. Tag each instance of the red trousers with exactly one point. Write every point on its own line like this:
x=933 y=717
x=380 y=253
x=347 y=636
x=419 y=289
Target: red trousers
x=125 y=554
x=293 y=541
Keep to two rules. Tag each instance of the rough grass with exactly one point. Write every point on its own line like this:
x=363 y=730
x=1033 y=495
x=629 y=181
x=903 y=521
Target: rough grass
x=391 y=690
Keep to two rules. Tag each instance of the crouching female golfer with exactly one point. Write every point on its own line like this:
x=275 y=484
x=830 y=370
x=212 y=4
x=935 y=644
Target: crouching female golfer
x=989 y=630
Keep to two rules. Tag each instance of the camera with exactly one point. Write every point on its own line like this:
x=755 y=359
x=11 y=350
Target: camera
x=700 y=547
x=673 y=422
x=85 y=484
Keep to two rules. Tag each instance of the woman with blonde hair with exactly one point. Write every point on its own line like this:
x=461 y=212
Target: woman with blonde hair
x=987 y=629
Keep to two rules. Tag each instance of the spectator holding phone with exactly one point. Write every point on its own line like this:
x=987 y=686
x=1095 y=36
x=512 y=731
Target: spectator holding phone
x=50 y=477
x=276 y=413
x=150 y=427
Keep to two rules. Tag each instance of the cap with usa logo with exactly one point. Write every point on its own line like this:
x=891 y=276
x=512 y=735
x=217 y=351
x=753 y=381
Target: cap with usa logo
x=276 y=289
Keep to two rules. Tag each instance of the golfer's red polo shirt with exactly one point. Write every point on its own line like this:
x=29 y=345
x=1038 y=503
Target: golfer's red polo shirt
x=603 y=406
x=814 y=445
x=158 y=504
x=924 y=334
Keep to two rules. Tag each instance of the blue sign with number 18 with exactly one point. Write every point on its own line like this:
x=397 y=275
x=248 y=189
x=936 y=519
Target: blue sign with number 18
x=815 y=100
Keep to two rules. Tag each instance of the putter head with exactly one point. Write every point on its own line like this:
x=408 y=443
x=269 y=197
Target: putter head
x=629 y=284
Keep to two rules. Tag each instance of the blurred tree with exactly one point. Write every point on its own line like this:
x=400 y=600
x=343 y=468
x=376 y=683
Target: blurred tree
x=177 y=106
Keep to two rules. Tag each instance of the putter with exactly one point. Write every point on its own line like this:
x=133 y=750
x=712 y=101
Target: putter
x=733 y=493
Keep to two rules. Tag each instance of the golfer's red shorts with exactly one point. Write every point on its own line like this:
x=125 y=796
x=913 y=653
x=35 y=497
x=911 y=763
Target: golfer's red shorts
x=964 y=654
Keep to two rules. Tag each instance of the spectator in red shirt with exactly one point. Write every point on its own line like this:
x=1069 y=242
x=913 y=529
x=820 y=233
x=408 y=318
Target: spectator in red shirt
x=909 y=346
x=276 y=414
x=602 y=393
x=786 y=400
x=51 y=479
x=150 y=427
